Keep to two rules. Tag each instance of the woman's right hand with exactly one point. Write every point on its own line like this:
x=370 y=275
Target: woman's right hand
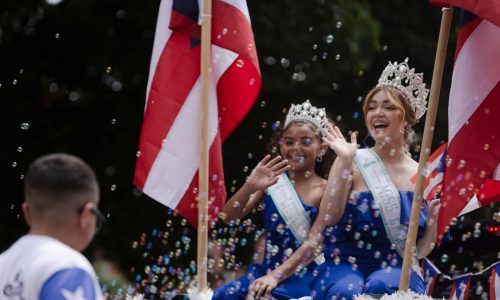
x=267 y=171
x=336 y=141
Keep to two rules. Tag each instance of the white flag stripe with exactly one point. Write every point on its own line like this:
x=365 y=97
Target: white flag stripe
x=496 y=285
x=171 y=173
x=432 y=183
x=162 y=35
x=470 y=88
x=471 y=205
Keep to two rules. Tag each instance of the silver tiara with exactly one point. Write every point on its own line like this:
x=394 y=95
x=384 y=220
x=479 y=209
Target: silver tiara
x=307 y=112
x=405 y=80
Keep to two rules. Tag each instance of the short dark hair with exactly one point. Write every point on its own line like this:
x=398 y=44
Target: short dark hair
x=53 y=178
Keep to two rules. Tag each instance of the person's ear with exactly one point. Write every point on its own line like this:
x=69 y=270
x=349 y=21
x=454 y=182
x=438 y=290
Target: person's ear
x=86 y=217
x=323 y=149
x=26 y=213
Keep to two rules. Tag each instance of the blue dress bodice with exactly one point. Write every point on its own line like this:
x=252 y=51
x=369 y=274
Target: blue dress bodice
x=280 y=241
x=360 y=237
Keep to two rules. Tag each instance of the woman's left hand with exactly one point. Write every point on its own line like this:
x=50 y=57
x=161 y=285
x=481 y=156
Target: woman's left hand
x=261 y=288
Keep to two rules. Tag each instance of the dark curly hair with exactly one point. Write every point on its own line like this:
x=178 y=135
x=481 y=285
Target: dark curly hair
x=321 y=168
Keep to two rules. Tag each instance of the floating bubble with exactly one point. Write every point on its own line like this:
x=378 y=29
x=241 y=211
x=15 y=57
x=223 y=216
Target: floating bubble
x=338 y=25
x=14 y=164
x=477 y=233
x=444 y=258
x=285 y=63
x=53 y=2
x=315 y=46
x=486 y=147
x=324 y=55
x=74 y=96
x=57 y=35
x=385 y=47
x=335 y=86
x=116 y=86
x=113 y=187
x=337 y=57
x=355 y=115
x=310 y=29
x=21 y=176
x=120 y=14
x=14 y=82
x=274 y=217
x=245 y=169
x=270 y=60
x=19 y=149
x=138 y=153
x=328 y=39
x=53 y=87
x=108 y=69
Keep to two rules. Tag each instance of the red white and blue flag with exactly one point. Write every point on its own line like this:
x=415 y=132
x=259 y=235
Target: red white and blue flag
x=431 y=273
x=495 y=282
x=474 y=107
x=434 y=173
x=168 y=156
x=460 y=288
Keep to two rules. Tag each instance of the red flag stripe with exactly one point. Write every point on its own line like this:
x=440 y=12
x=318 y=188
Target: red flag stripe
x=464 y=34
x=486 y=9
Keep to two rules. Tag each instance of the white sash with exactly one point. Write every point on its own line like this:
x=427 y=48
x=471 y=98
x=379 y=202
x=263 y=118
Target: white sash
x=386 y=198
x=291 y=210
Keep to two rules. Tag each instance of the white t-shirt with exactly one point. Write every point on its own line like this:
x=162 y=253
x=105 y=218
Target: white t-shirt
x=41 y=267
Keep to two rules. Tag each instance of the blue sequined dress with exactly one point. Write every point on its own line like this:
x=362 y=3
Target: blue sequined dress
x=280 y=244
x=358 y=253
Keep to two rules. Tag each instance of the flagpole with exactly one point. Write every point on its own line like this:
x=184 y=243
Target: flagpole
x=203 y=170
x=437 y=75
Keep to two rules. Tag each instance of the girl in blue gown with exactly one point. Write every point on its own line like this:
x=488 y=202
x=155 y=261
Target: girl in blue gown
x=303 y=160
x=351 y=227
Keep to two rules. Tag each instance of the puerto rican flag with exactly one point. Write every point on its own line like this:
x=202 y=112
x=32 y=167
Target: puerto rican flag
x=474 y=108
x=460 y=288
x=168 y=156
x=434 y=173
x=431 y=273
x=495 y=282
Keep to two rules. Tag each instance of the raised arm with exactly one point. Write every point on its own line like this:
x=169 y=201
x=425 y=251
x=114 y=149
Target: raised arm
x=330 y=211
x=428 y=240
x=263 y=176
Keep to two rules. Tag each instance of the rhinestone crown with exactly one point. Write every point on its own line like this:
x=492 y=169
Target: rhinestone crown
x=307 y=112
x=404 y=79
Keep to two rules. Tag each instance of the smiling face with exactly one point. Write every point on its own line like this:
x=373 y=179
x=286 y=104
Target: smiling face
x=300 y=145
x=384 y=117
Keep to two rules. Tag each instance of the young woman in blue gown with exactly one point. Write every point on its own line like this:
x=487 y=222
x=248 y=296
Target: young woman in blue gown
x=303 y=161
x=351 y=227
x=363 y=248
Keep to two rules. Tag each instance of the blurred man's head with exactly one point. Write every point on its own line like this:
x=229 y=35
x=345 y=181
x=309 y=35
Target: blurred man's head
x=61 y=196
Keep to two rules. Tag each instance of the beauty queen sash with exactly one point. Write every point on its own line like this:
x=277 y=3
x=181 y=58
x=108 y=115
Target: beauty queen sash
x=386 y=197
x=291 y=210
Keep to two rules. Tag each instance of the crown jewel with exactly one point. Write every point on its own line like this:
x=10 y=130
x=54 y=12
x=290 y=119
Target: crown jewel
x=404 y=79
x=307 y=112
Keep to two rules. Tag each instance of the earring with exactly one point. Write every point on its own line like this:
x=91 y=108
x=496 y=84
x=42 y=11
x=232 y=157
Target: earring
x=319 y=158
